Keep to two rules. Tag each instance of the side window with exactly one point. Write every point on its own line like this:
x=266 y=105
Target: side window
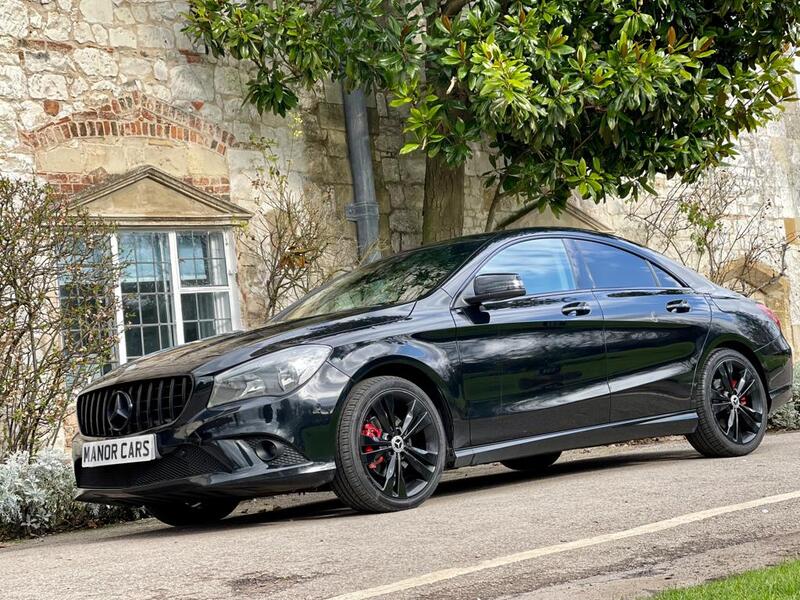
x=611 y=267
x=542 y=264
x=665 y=279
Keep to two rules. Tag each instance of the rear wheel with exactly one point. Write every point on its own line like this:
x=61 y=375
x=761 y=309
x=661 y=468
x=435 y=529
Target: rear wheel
x=731 y=404
x=184 y=514
x=533 y=464
x=390 y=448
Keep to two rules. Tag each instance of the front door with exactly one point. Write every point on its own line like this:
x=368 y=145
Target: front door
x=534 y=364
x=655 y=331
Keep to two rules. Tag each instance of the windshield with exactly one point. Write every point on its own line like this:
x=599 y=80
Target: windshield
x=401 y=278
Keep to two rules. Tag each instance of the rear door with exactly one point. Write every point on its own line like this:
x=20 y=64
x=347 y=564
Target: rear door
x=533 y=364
x=655 y=330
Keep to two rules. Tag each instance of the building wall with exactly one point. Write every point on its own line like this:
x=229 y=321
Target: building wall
x=90 y=89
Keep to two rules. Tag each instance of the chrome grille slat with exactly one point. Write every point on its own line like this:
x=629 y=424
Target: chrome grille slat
x=156 y=402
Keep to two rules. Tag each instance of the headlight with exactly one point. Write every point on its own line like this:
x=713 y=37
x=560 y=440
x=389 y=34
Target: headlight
x=274 y=374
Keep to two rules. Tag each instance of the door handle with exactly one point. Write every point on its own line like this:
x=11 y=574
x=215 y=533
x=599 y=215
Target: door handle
x=678 y=306
x=575 y=309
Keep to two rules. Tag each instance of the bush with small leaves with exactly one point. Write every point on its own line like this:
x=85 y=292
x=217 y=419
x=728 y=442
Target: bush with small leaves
x=787 y=417
x=37 y=497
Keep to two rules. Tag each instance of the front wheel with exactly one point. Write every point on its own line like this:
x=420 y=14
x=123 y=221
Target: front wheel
x=731 y=404
x=390 y=446
x=184 y=514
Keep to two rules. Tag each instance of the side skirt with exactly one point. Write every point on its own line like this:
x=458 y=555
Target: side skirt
x=597 y=435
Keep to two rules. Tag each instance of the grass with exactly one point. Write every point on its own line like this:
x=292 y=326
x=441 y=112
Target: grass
x=775 y=583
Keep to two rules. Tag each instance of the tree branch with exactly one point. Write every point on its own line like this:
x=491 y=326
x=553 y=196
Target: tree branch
x=453 y=7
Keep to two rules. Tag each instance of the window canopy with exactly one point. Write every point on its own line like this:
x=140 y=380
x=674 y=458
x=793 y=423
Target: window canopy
x=150 y=197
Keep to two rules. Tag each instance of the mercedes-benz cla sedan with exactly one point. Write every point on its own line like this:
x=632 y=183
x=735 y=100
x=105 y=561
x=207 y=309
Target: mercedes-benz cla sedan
x=508 y=347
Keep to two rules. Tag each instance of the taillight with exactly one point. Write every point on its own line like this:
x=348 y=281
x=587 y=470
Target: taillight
x=770 y=313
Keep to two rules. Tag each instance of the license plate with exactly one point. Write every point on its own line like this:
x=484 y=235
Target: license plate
x=139 y=448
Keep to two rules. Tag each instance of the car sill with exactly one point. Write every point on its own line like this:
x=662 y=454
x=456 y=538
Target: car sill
x=597 y=435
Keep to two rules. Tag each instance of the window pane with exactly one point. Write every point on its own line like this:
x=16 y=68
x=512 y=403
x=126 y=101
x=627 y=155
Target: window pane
x=542 y=264
x=611 y=267
x=665 y=279
x=146 y=292
x=201 y=257
x=205 y=314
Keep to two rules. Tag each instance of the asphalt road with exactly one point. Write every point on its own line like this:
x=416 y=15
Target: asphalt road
x=607 y=523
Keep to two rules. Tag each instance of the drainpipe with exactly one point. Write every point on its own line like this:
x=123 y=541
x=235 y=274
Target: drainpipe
x=364 y=209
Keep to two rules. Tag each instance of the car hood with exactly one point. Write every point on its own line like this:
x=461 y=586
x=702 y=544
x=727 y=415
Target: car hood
x=212 y=355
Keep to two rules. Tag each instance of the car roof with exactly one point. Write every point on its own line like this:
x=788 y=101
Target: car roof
x=684 y=273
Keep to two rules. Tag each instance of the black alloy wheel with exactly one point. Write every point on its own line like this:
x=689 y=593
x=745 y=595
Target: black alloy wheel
x=391 y=448
x=737 y=403
x=731 y=404
x=399 y=444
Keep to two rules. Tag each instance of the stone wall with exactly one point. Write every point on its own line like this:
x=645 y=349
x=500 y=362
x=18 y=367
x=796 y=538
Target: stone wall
x=95 y=88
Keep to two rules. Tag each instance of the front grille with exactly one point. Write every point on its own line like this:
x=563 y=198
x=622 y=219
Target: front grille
x=185 y=461
x=155 y=402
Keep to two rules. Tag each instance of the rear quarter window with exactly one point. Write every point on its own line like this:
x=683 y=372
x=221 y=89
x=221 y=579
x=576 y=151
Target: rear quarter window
x=611 y=267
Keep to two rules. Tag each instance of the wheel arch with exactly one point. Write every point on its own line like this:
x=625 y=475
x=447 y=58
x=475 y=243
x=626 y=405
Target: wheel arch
x=417 y=373
x=746 y=351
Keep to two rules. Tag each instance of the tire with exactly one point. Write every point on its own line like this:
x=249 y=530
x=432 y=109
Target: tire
x=532 y=464
x=185 y=514
x=729 y=423
x=376 y=432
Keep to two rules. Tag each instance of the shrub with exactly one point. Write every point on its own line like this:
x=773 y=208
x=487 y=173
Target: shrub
x=788 y=416
x=36 y=497
x=57 y=309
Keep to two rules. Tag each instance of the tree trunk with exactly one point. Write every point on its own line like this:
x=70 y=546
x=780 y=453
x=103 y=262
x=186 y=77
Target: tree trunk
x=443 y=206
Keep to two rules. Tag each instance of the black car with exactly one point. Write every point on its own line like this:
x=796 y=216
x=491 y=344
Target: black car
x=507 y=347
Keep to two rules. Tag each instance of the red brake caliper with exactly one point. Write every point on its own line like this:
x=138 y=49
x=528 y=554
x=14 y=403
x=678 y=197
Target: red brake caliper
x=742 y=400
x=371 y=431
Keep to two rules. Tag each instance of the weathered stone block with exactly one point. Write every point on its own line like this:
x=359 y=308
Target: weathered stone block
x=412 y=168
x=336 y=143
x=337 y=170
x=331 y=116
x=137 y=68
x=405 y=221
x=192 y=82
x=59 y=27
x=13 y=18
x=151 y=36
x=100 y=34
x=97 y=11
x=122 y=37
x=122 y=14
x=82 y=33
x=230 y=81
x=160 y=70
x=47 y=86
x=94 y=61
x=391 y=169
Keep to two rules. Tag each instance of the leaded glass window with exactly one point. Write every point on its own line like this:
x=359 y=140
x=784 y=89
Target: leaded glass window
x=175 y=288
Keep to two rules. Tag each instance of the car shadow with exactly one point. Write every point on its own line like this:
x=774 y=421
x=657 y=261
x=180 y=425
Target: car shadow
x=324 y=505
x=560 y=469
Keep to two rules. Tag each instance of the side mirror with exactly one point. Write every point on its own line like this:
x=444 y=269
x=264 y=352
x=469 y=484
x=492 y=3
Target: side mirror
x=494 y=287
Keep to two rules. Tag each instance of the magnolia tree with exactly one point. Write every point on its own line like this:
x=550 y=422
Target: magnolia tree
x=57 y=310
x=592 y=97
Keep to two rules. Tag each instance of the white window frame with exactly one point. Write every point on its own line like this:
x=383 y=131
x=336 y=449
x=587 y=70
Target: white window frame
x=231 y=289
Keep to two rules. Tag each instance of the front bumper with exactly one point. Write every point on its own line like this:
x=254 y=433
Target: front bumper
x=246 y=449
